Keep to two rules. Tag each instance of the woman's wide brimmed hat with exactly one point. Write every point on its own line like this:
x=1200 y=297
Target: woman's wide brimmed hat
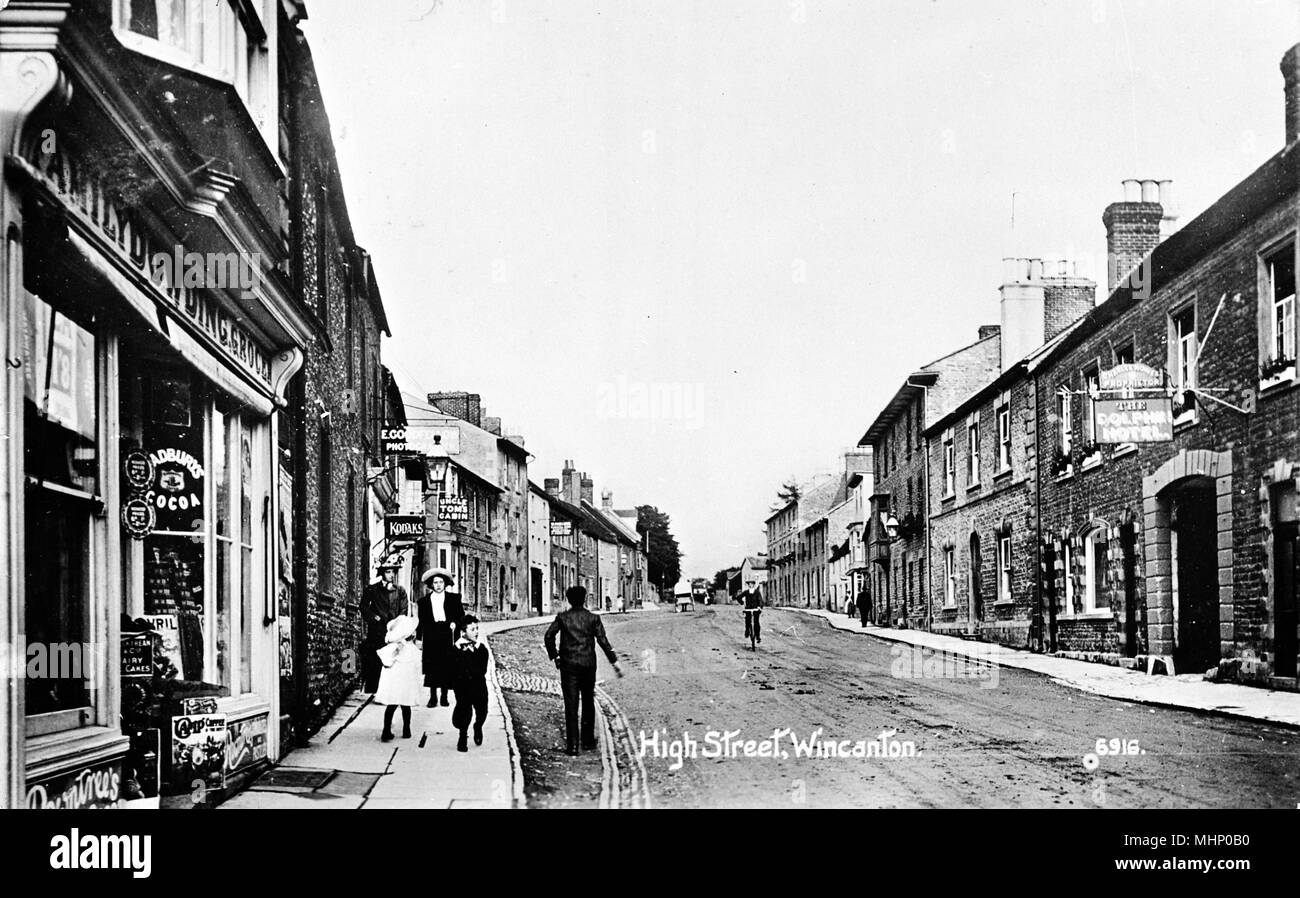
x=391 y=563
x=401 y=627
x=439 y=572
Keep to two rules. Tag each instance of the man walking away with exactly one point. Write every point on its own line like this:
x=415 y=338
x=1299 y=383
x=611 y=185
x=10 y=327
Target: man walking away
x=864 y=605
x=579 y=630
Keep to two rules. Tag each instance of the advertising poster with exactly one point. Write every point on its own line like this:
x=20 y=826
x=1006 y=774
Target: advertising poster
x=245 y=743
x=94 y=787
x=199 y=751
x=168 y=630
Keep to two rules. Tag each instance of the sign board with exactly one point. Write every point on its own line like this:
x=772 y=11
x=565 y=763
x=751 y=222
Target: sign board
x=199 y=751
x=1147 y=420
x=453 y=508
x=561 y=528
x=1131 y=376
x=245 y=743
x=167 y=627
x=137 y=655
x=403 y=526
x=98 y=786
x=421 y=439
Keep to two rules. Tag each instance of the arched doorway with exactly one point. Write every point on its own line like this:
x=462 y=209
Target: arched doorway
x=1190 y=615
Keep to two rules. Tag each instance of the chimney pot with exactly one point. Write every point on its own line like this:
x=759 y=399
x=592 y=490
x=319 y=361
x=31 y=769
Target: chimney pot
x=1132 y=190
x=1150 y=192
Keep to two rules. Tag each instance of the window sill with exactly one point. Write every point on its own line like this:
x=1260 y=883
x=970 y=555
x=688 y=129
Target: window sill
x=1004 y=603
x=1092 y=461
x=1087 y=615
x=1185 y=419
x=83 y=747
x=974 y=486
x=1065 y=475
x=1005 y=472
x=1280 y=381
x=1123 y=449
x=948 y=497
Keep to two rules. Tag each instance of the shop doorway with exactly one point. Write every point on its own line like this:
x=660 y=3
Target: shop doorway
x=1194 y=569
x=1285 y=618
x=536 y=590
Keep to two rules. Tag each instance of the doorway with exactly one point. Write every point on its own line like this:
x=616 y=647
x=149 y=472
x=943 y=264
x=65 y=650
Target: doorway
x=1285 y=618
x=1128 y=552
x=1195 y=586
x=536 y=590
x=976 y=611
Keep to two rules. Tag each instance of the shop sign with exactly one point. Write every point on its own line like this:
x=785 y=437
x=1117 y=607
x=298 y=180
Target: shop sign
x=421 y=439
x=245 y=743
x=137 y=470
x=199 y=750
x=99 y=786
x=177 y=491
x=167 y=628
x=403 y=526
x=138 y=518
x=561 y=528
x=1130 y=376
x=169 y=283
x=453 y=508
x=1148 y=420
x=137 y=655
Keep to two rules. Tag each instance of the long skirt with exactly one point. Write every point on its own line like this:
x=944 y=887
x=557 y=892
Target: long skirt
x=400 y=684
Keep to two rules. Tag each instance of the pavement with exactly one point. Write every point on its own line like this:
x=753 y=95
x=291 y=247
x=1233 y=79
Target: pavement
x=346 y=766
x=1188 y=691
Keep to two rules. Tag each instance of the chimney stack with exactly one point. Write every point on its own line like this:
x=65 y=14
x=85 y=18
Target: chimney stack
x=572 y=492
x=588 y=487
x=1291 y=87
x=459 y=404
x=552 y=487
x=607 y=500
x=1135 y=226
x=989 y=330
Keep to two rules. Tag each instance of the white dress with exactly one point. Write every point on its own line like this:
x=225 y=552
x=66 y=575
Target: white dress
x=402 y=684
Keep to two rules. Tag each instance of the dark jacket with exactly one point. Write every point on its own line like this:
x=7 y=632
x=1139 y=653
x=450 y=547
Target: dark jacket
x=438 y=637
x=753 y=598
x=379 y=605
x=578 y=630
x=469 y=666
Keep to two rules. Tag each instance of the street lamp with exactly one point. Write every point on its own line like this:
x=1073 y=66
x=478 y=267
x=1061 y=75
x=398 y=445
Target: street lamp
x=891 y=526
x=437 y=469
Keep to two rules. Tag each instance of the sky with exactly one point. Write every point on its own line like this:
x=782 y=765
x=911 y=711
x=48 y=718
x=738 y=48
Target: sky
x=696 y=246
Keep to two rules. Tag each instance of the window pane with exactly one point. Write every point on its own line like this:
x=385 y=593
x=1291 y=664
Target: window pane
x=173 y=591
x=57 y=601
x=1098 y=572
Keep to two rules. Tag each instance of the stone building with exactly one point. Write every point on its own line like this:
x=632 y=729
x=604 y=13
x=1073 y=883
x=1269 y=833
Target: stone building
x=897 y=543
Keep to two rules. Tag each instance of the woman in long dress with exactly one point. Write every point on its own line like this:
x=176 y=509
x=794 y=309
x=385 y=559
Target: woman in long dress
x=440 y=612
x=399 y=683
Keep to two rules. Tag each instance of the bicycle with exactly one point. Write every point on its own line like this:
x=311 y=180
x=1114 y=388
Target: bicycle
x=751 y=627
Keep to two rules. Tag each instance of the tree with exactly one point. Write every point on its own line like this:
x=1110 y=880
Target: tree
x=665 y=558
x=721 y=577
x=789 y=492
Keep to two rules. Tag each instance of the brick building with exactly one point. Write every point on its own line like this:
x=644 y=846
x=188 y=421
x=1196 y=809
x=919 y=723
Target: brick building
x=781 y=552
x=337 y=405
x=1182 y=553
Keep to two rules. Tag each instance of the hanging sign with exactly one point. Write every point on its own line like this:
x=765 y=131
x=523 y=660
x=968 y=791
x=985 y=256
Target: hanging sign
x=403 y=526
x=453 y=508
x=422 y=439
x=177 y=491
x=1149 y=420
x=561 y=528
x=1131 y=376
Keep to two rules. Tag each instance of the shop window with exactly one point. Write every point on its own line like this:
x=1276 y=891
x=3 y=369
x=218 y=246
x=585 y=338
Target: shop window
x=62 y=459
x=197 y=576
x=1094 y=574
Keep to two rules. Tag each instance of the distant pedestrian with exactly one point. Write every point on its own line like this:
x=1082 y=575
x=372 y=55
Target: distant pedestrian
x=864 y=605
x=578 y=631
x=381 y=601
x=469 y=680
x=440 y=611
x=399 y=683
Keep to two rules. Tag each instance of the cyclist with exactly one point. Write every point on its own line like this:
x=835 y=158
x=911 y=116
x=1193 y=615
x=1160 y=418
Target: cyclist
x=753 y=599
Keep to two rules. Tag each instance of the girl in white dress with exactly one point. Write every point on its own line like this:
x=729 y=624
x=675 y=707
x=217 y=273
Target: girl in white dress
x=400 y=682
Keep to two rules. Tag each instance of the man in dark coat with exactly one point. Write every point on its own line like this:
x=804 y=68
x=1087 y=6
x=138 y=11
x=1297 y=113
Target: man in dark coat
x=440 y=612
x=753 y=599
x=579 y=630
x=864 y=605
x=381 y=601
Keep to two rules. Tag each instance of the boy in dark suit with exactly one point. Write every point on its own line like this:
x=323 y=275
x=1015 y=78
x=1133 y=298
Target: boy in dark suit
x=469 y=681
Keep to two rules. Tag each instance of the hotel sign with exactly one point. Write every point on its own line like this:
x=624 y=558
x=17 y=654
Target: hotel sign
x=1147 y=420
x=1131 y=376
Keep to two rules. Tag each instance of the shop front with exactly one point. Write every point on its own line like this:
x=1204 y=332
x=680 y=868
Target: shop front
x=140 y=479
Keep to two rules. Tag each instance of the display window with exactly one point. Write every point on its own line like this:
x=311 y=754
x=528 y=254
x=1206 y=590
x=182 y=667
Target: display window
x=62 y=458
x=194 y=571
